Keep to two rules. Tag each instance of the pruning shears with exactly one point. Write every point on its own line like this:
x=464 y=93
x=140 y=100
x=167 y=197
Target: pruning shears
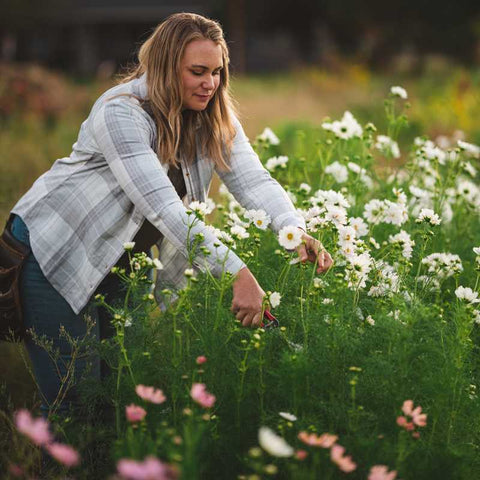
x=269 y=321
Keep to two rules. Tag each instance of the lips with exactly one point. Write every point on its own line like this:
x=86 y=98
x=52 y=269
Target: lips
x=202 y=97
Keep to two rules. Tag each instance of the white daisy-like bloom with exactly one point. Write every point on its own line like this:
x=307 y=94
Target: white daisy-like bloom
x=373 y=243
x=359 y=267
x=157 y=264
x=316 y=223
x=395 y=213
x=469 y=168
x=330 y=197
x=259 y=218
x=399 y=92
x=275 y=162
x=210 y=205
x=327 y=301
x=355 y=168
x=215 y=231
x=200 y=208
x=290 y=237
x=273 y=444
x=189 y=272
x=226 y=238
x=429 y=216
x=128 y=245
x=469 y=148
x=346 y=234
x=346 y=128
x=469 y=191
x=401 y=197
x=387 y=146
x=288 y=416
x=238 y=232
x=370 y=320
x=419 y=192
x=374 y=211
x=268 y=136
x=387 y=280
x=405 y=241
x=318 y=282
x=274 y=299
x=337 y=215
x=434 y=153
x=467 y=294
x=347 y=250
x=476 y=317
x=476 y=250
x=234 y=206
x=234 y=219
x=338 y=171
x=313 y=212
x=443 y=265
x=305 y=187
x=358 y=224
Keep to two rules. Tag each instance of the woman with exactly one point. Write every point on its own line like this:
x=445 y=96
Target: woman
x=148 y=143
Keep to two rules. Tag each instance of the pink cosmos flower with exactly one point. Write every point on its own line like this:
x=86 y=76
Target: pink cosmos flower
x=150 y=394
x=344 y=463
x=15 y=470
x=134 y=413
x=65 y=454
x=200 y=395
x=201 y=359
x=325 y=440
x=35 y=429
x=150 y=469
x=380 y=472
x=301 y=455
x=419 y=418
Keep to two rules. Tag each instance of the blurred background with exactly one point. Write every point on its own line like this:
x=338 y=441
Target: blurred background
x=294 y=63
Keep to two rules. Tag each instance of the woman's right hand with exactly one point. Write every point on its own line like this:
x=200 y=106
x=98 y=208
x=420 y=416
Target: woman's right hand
x=247 y=299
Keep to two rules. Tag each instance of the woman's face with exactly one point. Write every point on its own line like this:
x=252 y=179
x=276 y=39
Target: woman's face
x=200 y=67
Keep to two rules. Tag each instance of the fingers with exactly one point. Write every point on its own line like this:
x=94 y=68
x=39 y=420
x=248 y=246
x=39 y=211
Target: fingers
x=248 y=319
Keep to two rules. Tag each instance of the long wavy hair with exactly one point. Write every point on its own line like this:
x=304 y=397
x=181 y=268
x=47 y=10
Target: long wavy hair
x=179 y=130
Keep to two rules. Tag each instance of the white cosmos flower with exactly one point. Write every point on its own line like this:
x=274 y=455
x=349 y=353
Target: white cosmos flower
x=370 y=320
x=274 y=299
x=399 y=92
x=429 y=216
x=268 y=136
x=470 y=169
x=337 y=215
x=405 y=241
x=201 y=208
x=476 y=250
x=157 y=264
x=273 y=444
x=290 y=237
x=128 y=245
x=274 y=162
x=346 y=128
x=338 y=171
x=288 y=416
x=305 y=187
x=467 y=294
x=259 y=218
x=469 y=148
x=374 y=211
x=346 y=234
x=360 y=227
x=239 y=232
x=387 y=146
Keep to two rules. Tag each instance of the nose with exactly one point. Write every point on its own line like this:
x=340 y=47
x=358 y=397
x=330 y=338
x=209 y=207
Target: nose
x=208 y=83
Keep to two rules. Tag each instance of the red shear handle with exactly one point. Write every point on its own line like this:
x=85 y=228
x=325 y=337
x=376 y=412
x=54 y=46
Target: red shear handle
x=272 y=321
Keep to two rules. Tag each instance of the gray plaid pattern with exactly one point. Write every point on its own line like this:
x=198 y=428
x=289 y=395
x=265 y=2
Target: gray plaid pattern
x=82 y=211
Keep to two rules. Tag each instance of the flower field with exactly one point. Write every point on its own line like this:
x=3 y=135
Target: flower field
x=373 y=369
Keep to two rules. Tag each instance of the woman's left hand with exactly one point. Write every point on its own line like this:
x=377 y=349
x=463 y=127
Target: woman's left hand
x=312 y=250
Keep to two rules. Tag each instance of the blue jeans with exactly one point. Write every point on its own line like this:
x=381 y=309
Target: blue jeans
x=45 y=310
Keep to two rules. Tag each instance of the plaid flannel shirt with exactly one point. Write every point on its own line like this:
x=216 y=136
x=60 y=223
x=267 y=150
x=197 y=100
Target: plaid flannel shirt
x=81 y=211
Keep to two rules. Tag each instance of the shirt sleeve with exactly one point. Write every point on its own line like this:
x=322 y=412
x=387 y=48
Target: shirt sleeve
x=253 y=186
x=124 y=135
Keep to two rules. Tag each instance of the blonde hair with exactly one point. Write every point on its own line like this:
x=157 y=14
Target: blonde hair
x=177 y=131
